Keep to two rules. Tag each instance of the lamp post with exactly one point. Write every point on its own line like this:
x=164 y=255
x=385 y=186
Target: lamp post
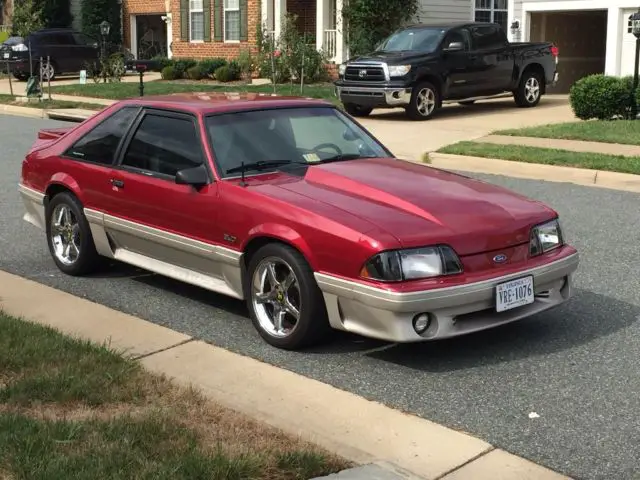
x=105 y=27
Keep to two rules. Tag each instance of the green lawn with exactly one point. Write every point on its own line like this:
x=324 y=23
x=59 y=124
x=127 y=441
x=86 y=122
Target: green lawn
x=547 y=156
x=6 y=99
x=615 y=131
x=118 y=91
x=71 y=409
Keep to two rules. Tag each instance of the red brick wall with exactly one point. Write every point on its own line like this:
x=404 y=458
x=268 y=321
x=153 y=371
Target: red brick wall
x=214 y=49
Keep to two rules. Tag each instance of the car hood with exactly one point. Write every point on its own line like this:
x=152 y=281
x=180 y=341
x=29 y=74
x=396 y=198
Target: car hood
x=393 y=58
x=421 y=205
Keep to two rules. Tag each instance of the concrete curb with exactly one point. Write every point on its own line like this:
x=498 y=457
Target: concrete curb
x=549 y=173
x=22 y=111
x=360 y=430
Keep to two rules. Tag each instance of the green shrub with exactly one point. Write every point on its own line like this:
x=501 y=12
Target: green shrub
x=159 y=62
x=195 y=73
x=235 y=68
x=170 y=73
x=226 y=73
x=184 y=64
x=208 y=66
x=601 y=96
x=4 y=36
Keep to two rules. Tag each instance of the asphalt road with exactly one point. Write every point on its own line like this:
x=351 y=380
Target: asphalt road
x=577 y=367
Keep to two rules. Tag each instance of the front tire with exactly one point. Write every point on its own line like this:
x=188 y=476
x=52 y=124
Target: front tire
x=529 y=90
x=425 y=102
x=21 y=77
x=357 y=110
x=69 y=236
x=285 y=303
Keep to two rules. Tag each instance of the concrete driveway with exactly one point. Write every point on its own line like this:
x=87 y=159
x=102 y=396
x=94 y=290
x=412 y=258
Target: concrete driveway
x=410 y=140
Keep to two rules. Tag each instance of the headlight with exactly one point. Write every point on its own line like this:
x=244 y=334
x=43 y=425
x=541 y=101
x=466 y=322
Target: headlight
x=545 y=237
x=398 y=265
x=341 y=69
x=399 y=70
x=20 y=48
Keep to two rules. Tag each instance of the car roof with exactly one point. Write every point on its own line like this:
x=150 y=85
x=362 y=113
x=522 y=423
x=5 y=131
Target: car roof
x=53 y=30
x=223 y=102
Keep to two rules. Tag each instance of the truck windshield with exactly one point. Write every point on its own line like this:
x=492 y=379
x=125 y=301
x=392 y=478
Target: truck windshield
x=414 y=39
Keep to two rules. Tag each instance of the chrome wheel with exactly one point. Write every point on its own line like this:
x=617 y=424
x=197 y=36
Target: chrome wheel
x=531 y=89
x=65 y=235
x=276 y=298
x=426 y=102
x=47 y=71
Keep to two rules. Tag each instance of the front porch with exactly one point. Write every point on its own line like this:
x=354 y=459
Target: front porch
x=320 y=19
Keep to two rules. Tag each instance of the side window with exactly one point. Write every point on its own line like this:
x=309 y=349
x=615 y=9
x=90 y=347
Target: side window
x=164 y=145
x=82 y=39
x=101 y=143
x=461 y=36
x=487 y=37
x=64 y=39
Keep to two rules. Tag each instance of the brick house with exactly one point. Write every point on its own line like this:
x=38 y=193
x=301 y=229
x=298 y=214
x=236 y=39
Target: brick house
x=189 y=28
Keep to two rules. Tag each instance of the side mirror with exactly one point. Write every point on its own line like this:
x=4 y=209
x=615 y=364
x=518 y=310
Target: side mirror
x=349 y=135
x=454 y=47
x=196 y=177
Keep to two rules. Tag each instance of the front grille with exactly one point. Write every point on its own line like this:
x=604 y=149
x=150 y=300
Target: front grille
x=364 y=74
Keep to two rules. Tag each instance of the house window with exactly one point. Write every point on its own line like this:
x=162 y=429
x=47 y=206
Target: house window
x=231 y=20
x=196 y=21
x=492 y=11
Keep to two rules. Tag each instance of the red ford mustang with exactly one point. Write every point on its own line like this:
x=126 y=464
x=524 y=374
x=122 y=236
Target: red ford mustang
x=294 y=207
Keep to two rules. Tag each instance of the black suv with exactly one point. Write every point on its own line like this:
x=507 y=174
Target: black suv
x=69 y=51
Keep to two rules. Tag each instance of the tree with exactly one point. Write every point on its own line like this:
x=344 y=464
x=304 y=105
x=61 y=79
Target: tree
x=56 y=13
x=94 y=12
x=27 y=17
x=368 y=22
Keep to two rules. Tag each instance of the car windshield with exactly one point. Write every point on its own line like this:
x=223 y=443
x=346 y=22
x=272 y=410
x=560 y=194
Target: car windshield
x=307 y=135
x=413 y=39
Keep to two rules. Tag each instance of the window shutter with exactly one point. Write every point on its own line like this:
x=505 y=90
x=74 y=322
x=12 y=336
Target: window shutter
x=184 y=20
x=244 y=21
x=217 y=20
x=206 y=9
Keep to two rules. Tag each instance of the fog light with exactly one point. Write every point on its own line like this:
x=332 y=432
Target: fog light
x=421 y=322
x=396 y=94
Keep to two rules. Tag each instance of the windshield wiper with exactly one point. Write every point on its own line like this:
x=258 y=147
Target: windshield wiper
x=263 y=164
x=348 y=156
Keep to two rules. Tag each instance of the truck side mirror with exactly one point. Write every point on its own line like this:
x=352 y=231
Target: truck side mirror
x=454 y=47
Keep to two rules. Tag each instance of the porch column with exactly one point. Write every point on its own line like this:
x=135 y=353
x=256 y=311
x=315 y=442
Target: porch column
x=169 y=22
x=341 y=48
x=616 y=25
x=320 y=23
x=280 y=10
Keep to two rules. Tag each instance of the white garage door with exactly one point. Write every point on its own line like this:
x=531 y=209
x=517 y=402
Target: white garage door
x=628 y=53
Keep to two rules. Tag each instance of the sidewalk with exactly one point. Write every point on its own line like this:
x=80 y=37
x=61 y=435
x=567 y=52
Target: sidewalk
x=572 y=145
x=390 y=445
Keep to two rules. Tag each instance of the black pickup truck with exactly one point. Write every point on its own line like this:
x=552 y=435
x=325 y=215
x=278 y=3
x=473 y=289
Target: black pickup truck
x=421 y=66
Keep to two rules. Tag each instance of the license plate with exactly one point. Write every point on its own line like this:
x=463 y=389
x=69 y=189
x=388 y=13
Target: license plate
x=5 y=55
x=514 y=293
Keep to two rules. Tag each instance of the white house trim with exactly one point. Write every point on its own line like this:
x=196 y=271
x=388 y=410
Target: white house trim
x=614 y=23
x=511 y=7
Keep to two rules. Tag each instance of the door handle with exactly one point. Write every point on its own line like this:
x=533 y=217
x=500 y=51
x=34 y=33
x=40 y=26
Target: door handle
x=117 y=183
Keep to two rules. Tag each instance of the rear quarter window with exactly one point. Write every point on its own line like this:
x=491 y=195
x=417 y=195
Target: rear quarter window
x=487 y=37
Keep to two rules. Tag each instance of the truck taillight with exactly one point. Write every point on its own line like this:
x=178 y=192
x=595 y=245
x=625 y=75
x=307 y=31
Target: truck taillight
x=554 y=51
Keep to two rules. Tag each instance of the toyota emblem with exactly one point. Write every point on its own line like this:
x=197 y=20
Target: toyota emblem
x=362 y=73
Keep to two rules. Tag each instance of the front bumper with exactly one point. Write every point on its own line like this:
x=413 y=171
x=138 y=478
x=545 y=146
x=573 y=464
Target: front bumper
x=374 y=96
x=387 y=315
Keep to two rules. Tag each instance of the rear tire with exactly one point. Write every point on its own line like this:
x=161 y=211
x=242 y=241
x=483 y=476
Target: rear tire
x=294 y=290
x=425 y=102
x=357 y=110
x=529 y=90
x=48 y=71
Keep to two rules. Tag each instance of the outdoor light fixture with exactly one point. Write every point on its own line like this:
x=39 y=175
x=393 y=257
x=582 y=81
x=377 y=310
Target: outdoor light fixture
x=105 y=27
x=635 y=29
x=515 y=26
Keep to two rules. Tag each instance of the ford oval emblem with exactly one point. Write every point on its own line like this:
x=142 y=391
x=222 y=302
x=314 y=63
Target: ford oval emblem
x=500 y=258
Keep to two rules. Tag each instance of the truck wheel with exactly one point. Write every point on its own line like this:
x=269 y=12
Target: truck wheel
x=357 y=110
x=529 y=90
x=425 y=101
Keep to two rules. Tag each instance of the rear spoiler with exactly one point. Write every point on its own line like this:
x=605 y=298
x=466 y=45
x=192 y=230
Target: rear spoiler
x=53 y=133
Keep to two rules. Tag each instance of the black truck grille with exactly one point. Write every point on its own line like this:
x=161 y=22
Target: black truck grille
x=364 y=74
